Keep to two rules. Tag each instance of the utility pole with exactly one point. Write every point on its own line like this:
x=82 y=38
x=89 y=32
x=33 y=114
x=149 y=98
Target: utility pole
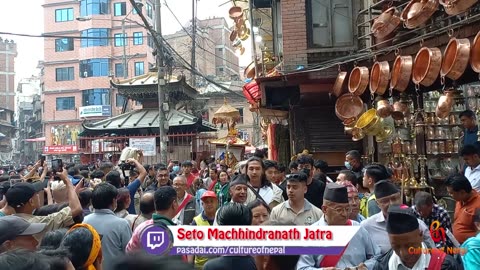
x=194 y=37
x=161 y=84
x=124 y=60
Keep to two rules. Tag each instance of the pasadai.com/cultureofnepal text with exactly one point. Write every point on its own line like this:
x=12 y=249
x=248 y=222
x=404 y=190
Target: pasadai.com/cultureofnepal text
x=229 y=250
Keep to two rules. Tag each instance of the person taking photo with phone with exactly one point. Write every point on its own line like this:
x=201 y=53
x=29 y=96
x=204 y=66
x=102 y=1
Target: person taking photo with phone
x=25 y=198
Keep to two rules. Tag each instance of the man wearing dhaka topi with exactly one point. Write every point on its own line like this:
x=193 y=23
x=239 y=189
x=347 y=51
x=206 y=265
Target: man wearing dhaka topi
x=360 y=253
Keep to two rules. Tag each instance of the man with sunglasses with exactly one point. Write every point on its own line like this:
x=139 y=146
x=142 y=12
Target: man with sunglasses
x=297 y=209
x=361 y=252
x=387 y=194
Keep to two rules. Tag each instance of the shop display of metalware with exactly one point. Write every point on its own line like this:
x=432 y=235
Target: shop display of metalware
x=348 y=106
x=401 y=72
x=427 y=66
x=417 y=12
x=455 y=7
x=386 y=23
x=384 y=109
x=379 y=77
x=475 y=54
x=339 y=85
x=371 y=124
x=358 y=80
x=455 y=58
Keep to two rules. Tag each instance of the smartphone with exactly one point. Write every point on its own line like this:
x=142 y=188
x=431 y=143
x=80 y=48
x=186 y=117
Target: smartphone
x=57 y=166
x=42 y=160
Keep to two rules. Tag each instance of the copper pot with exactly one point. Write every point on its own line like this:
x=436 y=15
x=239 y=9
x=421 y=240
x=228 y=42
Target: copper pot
x=384 y=109
x=348 y=106
x=455 y=7
x=417 y=12
x=249 y=71
x=475 y=54
x=445 y=104
x=235 y=13
x=400 y=110
x=455 y=58
x=401 y=73
x=358 y=80
x=427 y=66
x=339 y=83
x=379 y=77
x=386 y=23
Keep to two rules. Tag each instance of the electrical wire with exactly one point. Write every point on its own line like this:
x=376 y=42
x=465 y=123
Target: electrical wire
x=200 y=47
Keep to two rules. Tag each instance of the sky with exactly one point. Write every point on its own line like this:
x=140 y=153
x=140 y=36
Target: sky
x=30 y=21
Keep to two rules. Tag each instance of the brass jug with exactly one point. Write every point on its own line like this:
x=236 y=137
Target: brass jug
x=373 y=125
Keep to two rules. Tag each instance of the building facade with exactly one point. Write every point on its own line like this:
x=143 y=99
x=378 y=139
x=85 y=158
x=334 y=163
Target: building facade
x=8 y=52
x=95 y=39
x=27 y=104
x=214 y=55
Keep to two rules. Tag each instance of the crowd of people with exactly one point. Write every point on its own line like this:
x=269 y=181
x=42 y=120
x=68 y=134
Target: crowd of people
x=93 y=218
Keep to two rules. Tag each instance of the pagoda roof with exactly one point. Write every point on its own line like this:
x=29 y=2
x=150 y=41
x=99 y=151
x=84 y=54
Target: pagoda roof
x=147 y=119
x=146 y=87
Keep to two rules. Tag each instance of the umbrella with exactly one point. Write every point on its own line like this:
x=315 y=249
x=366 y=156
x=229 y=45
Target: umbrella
x=226 y=114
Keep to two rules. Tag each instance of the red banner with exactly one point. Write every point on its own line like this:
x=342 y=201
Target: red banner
x=60 y=149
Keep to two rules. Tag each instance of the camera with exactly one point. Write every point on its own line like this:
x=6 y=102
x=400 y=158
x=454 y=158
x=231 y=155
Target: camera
x=127 y=153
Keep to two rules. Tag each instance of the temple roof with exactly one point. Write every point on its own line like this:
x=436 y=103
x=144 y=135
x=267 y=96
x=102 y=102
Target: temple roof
x=148 y=119
x=146 y=87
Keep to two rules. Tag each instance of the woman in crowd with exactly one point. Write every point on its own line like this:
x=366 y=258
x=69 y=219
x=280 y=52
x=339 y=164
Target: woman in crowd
x=123 y=201
x=260 y=212
x=85 y=247
x=221 y=189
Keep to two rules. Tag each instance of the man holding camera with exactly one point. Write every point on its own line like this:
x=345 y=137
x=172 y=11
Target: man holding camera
x=115 y=179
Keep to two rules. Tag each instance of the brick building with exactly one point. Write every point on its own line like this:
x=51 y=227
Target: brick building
x=8 y=52
x=303 y=35
x=77 y=71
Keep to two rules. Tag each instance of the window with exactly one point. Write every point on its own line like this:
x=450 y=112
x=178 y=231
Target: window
x=97 y=96
x=65 y=103
x=240 y=121
x=120 y=39
x=149 y=10
x=137 y=38
x=139 y=68
x=119 y=70
x=63 y=44
x=330 y=23
x=120 y=9
x=64 y=15
x=95 y=37
x=94 y=7
x=120 y=100
x=64 y=74
x=220 y=49
x=94 y=67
